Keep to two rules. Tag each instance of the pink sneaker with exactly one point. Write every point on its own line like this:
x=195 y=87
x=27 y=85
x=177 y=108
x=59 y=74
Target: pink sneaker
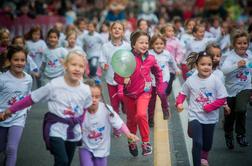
x=204 y=162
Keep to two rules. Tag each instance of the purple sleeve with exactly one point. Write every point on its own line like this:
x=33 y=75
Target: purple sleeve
x=124 y=129
x=21 y=104
x=214 y=105
x=180 y=98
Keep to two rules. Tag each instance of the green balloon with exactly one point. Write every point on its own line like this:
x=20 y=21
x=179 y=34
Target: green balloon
x=123 y=63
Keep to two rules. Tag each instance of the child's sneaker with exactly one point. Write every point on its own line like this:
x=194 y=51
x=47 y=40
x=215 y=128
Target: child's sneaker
x=166 y=115
x=133 y=148
x=204 y=162
x=147 y=149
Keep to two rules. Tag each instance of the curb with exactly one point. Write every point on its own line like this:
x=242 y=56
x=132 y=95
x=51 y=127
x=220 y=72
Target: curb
x=162 y=154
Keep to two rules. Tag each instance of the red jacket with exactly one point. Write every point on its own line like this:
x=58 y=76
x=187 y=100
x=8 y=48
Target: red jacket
x=141 y=76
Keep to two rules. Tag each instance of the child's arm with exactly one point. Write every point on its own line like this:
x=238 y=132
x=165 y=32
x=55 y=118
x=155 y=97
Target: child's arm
x=119 y=79
x=157 y=72
x=214 y=105
x=179 y=102
x=129 y=135
x=19 y=105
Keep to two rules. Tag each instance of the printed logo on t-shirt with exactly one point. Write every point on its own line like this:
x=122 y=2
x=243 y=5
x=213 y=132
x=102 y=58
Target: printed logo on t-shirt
x=18 y=96
x=72 y=110
x=96 y=134
x=242 y=75
x=204 y=96
x=53 y=63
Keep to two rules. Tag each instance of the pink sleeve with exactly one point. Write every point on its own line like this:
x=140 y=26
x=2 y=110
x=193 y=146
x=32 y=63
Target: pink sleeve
x=214 y=105
x=118 y=79
x=21 y=104
x=180 y=98
x=124 y=129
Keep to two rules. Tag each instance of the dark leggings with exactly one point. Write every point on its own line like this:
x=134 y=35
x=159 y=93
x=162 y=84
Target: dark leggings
x=63 y=151
x=93 y=65
x=202 y=136
x=169 y=87
x=235 y=117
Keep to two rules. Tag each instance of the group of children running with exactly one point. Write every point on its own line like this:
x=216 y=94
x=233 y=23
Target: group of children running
x=79 y=117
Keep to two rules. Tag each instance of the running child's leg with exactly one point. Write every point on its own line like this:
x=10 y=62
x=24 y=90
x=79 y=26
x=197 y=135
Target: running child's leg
x=70 y=149
x=14 y=137
x=86 y=157
x=100 y=161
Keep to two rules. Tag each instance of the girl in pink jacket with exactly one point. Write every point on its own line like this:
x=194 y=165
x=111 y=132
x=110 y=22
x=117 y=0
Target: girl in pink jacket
x=137 y=90
x=175 y=48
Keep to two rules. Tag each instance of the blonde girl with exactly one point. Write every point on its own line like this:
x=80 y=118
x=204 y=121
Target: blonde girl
x=116 y=42
x=67 y=97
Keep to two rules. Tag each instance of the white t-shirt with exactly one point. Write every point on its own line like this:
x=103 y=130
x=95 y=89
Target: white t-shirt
x=96 y=128
x=92 y=45
x=52 y=58
x=201 y=92
x=237 y=79
x=65 y=102
x=76 y=48
x=217 y=73
x=165 y=61
x=197 y=46
x=36 y=50
x=108 y=49
x=13 y=89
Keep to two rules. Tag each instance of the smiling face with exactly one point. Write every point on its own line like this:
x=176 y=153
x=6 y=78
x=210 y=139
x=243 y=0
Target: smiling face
x=142 y=44
x=17 y=63
x=204 y=67
x=158 y=45
x=53 y=40
x=241 y=45
x=117 y=31
x=75 y=67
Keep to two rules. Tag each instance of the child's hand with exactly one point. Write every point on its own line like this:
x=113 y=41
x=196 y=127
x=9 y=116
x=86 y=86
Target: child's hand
x=178 y=73
x=133 y=137
x=5 y=115
x=241 y=63
x=105 y=66
x=180 y=107
x=2 y=114
x=227 y=110
x=36 y=74
x=126 y=80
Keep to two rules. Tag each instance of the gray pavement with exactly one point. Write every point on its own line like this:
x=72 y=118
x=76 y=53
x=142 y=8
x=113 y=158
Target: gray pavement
x=32 y=150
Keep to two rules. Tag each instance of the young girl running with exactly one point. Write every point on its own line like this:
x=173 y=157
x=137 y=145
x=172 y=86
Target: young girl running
x=238 y=83
x=137 y=90
x=176 y=50
x=97 y=123
x=92 y=46
x=30 y=67
x=53 y=57
x=204 y=101
x=108 y=49
x=165 y=61
x=11 y=129
x=67 y=97
x=36 y=46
